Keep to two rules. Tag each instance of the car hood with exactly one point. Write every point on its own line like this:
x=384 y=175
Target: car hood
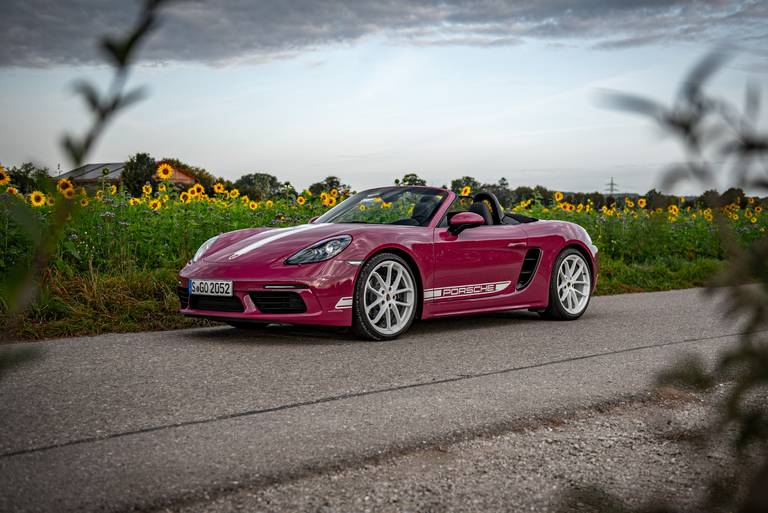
x=274 y=244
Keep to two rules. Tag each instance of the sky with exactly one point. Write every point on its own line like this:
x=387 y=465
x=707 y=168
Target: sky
x=369 y=90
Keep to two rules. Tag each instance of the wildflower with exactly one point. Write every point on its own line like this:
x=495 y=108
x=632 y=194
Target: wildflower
x=82 y=191
x=184 y=197
x=164 y=171
x=559 y=196
x=68 y=193
x=673 y=210
x=63 y=185
x=334 y=193
x=629 y=203
x=751 y=201
x=199 y=189
x=162 y=187
x=5 y=178
x=269 y=203
x=386 y=204
x=641 y=203
x=245 y=199
x=50 y=201
x=300 y=200
x=579 y=207
x=147 y=189
x=758 y=210
x=155 y=204
x=84 y=202
x=331 y=201
x=361 y=208
x=99 y=195
x=166 y=198
x=12 y=190
x=324 y=197
x=753 y=220
x=253 y=205
x=113 y=190
x=234 y=193
x=466 y=190
x=134 y=201
x=218 y=187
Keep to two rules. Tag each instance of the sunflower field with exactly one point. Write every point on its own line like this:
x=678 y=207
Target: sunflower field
x=135 y=245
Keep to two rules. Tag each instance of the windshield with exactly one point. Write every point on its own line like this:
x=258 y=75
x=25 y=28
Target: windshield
x=409 y=206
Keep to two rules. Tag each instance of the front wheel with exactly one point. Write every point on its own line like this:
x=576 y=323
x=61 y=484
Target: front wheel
x=570 y=286
x=385 y=298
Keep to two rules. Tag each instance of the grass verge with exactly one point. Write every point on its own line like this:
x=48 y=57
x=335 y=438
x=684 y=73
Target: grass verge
x=76 y=305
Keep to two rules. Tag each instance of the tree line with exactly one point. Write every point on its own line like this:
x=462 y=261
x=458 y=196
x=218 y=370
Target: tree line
x=140 y=169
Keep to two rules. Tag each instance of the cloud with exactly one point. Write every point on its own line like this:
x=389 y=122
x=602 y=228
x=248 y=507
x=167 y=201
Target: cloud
x=43 y=33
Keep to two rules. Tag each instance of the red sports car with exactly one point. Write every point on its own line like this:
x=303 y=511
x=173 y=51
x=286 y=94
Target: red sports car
x=385 y=257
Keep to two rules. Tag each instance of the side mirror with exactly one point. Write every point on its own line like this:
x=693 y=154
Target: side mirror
x=464 y=220
x=313 y=219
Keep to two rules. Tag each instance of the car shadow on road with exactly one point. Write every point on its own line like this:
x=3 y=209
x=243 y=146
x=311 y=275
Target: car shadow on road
x=295 y=335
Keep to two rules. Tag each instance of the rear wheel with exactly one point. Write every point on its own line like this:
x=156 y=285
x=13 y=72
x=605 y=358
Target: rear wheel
x=385 y=298
x=570 y=286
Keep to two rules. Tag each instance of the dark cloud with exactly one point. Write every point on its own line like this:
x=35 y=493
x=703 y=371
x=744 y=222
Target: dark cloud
x=41 y=33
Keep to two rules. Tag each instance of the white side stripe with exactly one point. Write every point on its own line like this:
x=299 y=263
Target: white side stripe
x=283 y=232
x=465 y=290
x=345 y=302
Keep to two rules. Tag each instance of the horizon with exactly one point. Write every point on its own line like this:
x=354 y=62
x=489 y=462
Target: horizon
x=481 y=91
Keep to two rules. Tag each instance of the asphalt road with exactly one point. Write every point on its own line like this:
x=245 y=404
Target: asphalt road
x=146 y=420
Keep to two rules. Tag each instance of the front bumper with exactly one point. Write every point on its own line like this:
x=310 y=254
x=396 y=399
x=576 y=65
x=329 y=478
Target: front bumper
x=318 y=293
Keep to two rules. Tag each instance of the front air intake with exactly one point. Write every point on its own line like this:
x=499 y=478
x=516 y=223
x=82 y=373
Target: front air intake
x=278 y=302
x=530 y=263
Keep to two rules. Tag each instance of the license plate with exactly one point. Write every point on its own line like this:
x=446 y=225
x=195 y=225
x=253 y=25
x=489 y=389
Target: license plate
x=210 y=287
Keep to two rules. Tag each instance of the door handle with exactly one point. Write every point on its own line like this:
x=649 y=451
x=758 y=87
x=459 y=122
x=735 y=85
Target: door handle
x=517 y=244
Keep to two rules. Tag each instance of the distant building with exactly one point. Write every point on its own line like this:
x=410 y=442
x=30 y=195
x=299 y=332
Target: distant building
x=112 y=172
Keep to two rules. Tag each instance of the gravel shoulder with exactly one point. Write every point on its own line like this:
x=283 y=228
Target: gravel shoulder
x=630 y=452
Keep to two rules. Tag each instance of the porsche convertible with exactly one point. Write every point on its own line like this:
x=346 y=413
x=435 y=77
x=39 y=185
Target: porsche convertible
x=386 y=257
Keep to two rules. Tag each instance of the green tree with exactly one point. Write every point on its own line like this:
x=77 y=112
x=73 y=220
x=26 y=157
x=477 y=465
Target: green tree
x=411 y=179
x=139 y=170
x=330 y=182
x=29 y=177
x=259 y=186
x=460 y=183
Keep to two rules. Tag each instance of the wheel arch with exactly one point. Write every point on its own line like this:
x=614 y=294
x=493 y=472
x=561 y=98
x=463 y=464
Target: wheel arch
x=411 y=261
x=587 y=256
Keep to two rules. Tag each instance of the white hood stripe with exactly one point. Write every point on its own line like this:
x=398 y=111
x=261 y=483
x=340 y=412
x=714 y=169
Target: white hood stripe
x=285 y=232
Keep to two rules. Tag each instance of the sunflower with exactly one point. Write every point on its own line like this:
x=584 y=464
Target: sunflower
x=113 y=190
x=82 y=192
x=466 y=190
x=253 y=205
x=559 y=196
x=362 y=208
x=50 y=201
x=758 y=210
x=155 y=204
x=324 y=197
x=134 y=201
x=641 y=203
x=269 y=203
x=12 y=190
x=673 y=210
x=629 y=203
x=184 y=197
x=199 y=189
x=751 y=201
x=99 y=195
x=386 y=204
x=753 y=220
x=234 y=193
x=63 y=185
x=84 y=202
x=147 y=189
x=300 y=200
x=334 y=193
x=218 y=187
x=331 y=201
x=37 y=199
x=4 y=177
x=579 y=207
x=68 y=193
x=164 y=171
x=162 y=187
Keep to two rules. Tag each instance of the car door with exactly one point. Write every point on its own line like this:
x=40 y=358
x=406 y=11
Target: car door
x=476 y=269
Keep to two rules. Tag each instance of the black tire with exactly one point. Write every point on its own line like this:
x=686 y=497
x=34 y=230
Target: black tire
x=247 y=325
x=555 y=309
x=361 y=326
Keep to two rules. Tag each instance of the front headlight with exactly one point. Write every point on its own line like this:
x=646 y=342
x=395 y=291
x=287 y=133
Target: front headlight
x=205 y=247
x=320 y=251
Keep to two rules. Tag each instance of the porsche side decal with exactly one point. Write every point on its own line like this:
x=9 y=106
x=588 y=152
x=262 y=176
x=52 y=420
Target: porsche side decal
x=474 y=289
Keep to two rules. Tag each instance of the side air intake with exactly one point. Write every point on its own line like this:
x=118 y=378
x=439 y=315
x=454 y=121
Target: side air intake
x=530 y=263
